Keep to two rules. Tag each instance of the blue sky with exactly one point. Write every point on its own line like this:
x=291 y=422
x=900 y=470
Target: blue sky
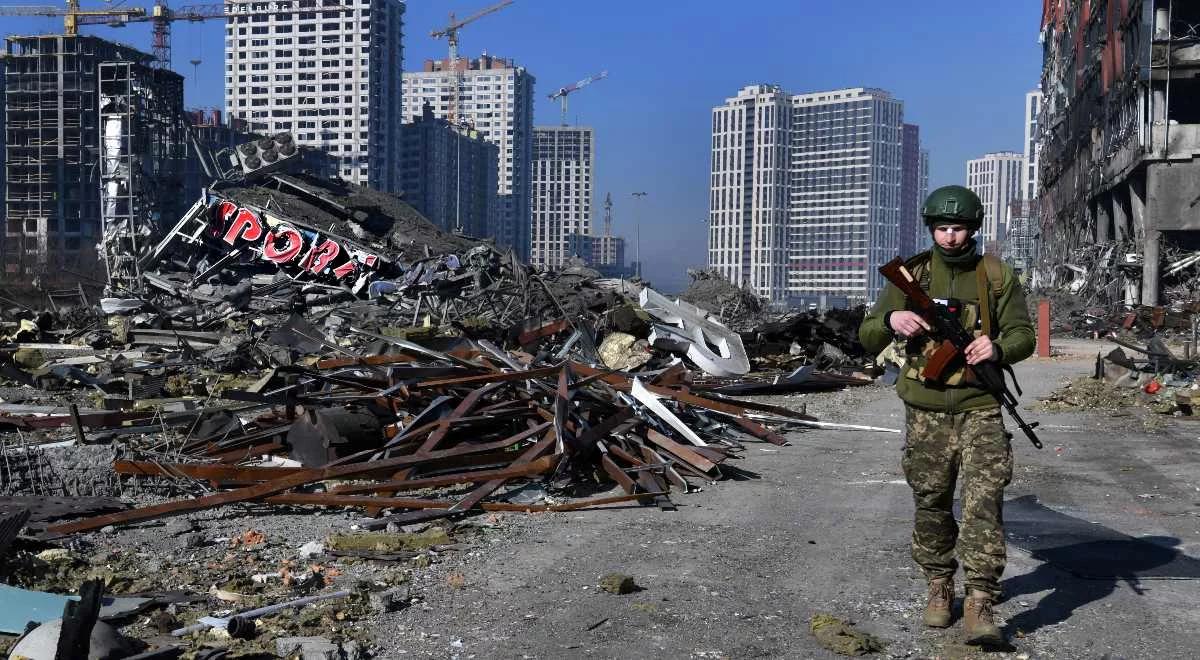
x=962 y=69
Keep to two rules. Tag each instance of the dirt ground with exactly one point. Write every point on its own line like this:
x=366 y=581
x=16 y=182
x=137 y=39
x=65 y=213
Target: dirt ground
x=740 y=568
x=821 y=526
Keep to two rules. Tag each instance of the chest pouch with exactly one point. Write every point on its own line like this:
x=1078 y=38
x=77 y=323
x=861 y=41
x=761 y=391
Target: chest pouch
x=937 y=361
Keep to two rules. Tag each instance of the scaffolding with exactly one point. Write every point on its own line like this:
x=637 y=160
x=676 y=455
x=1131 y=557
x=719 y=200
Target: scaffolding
x=142 y=157
x=52 y=146
x=1021 y=235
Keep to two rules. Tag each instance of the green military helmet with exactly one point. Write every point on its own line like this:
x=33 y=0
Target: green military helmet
x=953 y=203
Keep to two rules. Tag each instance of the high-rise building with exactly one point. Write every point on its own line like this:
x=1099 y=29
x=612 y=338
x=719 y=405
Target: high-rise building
x=805 y=192
x=3 y=170
x=496 y=99
x=448 y=173
x=1029 y=169
x=996 y=178
x=923 y=240
x=84 y=115
x=911 y=194
x=330 y=77
x=564 y=158
x=748 y=225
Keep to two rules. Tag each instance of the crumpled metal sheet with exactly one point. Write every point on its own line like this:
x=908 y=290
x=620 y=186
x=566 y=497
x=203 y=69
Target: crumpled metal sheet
x=709 y=344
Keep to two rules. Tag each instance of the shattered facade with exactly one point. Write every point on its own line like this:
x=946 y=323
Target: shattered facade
x=142 y=156
x=805 y=193
x=564 y=160
x=1119 y=134
x=497 y=100
x=1020 y=244
x=448 y=173
x=53 y=131
x=330 y=77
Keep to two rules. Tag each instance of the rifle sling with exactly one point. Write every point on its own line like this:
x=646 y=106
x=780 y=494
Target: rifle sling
x=985 y=306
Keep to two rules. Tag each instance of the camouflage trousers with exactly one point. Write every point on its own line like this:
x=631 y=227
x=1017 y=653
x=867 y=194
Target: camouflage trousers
x=939 y=449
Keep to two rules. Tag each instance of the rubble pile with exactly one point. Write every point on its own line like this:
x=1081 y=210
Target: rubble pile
x=738 y=307
x=1096 y=293
x=295 y=342
x=779 y=339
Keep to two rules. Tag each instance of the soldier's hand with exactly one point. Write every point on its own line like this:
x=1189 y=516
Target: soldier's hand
x=908 y=324
x=980 y=350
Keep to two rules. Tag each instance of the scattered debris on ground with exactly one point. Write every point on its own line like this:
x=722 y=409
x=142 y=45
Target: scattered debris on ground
x=293 y=345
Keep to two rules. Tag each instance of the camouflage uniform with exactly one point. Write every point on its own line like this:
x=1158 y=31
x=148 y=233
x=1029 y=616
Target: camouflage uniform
x=938 y=448
x=955 y=432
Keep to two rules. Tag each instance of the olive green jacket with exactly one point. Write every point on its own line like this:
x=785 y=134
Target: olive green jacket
x=1015 y=338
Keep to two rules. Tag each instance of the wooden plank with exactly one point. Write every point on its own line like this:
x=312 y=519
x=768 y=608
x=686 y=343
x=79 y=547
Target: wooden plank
x=618 y=475
x=669 y=472
x=503 y=377
x=205 y=471
x=325 y=499
x=759 y=431
x=684 y=453
x=618 y=451
x=277 y=486
x=539 y=466
x=370 y=360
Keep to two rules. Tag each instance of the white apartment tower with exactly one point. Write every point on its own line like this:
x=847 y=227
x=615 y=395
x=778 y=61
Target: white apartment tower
x=748 y=198
x=496 y=99
x=996 y=178
x=564 y=158
x=331 y=77
x=1029 y=169
x=806 y=192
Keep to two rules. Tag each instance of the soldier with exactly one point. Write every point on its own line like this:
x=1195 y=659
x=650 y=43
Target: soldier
x=954 y=428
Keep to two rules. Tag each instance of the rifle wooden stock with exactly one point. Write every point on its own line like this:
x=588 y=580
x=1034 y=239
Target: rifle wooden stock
x=896 y=273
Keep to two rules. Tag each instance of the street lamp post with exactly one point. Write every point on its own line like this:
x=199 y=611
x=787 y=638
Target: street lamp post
x=637 y=241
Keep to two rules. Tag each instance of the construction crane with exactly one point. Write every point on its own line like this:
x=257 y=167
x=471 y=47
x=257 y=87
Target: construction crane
x=73 y=16
x=160 y=15
x=608 y=215
x=563 y=92
x=450 y=32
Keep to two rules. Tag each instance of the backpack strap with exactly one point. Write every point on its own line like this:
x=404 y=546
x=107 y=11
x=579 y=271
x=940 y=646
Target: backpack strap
x=989 y=270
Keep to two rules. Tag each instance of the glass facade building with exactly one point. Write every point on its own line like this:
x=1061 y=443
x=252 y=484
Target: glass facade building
x=805 y=193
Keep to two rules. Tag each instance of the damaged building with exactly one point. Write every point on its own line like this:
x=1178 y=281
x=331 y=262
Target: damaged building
x=54 y=175
x=1119 y=135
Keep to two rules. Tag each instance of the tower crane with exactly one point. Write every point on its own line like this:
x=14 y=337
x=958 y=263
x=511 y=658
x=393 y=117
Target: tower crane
x=73 y=16
x=450 y=32
x=160 y=15
x=562 y=92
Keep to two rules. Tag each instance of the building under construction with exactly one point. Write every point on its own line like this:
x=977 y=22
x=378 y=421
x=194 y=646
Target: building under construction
x=1120 y=136
x=93 y=138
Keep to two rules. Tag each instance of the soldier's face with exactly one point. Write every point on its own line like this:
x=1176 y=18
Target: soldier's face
x=951 y=236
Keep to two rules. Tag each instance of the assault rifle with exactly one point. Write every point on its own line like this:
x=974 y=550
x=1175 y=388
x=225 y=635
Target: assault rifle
x=955 y=339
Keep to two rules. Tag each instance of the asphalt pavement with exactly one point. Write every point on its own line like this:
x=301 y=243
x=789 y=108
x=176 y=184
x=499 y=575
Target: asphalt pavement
x=823 y=526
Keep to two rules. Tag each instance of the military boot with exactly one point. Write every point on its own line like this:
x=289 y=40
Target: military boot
x=941 y=595
x=978 y=626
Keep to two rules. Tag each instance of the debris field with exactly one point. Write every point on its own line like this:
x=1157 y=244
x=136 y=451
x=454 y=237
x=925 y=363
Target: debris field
x=298 y=344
